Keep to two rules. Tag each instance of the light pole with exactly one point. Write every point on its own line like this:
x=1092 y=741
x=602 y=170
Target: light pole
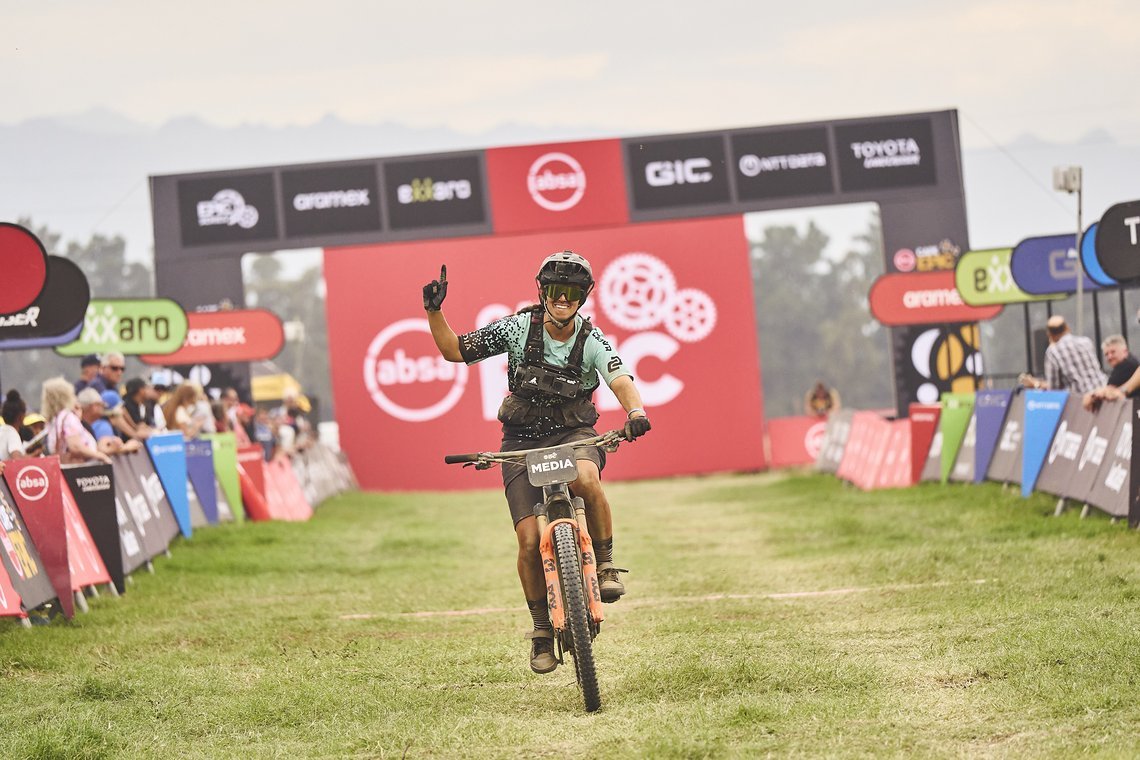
x=1068 y=179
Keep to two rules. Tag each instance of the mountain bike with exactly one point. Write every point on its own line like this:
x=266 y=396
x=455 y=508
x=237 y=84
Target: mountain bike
x=568 y=562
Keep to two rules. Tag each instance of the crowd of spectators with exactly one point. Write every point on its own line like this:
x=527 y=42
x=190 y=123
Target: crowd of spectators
x=99 y=415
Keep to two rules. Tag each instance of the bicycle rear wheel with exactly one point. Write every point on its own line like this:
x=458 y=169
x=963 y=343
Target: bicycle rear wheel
x=577 y=614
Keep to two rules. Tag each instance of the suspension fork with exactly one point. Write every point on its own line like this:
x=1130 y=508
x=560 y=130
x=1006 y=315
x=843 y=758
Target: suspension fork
x=586 y=556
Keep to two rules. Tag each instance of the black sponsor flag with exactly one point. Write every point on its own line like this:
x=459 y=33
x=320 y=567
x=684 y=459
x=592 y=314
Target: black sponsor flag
x=1005 y=465
x=1061 y=462
x=92 y=486
x=1110 y=491
x=1101 y=438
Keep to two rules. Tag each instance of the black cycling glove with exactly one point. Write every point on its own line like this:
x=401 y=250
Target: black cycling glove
x=636 y=427
x=435 y=291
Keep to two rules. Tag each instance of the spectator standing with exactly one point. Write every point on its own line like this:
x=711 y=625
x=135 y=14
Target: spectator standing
x=110 y=372
x=13 y=411
x=821 y=401
x=1070 y=362
x=67 y=435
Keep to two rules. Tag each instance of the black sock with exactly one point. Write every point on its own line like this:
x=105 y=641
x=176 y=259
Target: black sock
x=604 y=550
x=540 y=614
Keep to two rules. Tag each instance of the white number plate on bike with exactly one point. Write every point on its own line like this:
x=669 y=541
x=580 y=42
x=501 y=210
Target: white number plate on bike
x=552 y=466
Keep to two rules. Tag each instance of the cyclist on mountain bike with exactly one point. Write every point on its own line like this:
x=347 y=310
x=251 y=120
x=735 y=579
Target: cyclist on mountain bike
x=554 y=357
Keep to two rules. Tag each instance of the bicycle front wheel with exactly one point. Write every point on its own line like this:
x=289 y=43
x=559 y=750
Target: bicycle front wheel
x=577 y=614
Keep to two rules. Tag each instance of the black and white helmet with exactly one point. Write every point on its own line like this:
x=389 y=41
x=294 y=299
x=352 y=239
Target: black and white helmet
x=566 y=268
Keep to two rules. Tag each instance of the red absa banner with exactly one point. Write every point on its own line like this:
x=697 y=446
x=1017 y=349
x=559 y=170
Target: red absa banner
x=216 y=337
x=921 y=299
x=795 y=440
x=675 y=298
x=539 y=187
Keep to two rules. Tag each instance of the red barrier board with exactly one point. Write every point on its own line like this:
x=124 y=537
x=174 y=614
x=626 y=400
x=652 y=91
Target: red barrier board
x=36 y=488
x=87 y=567
x=795 y=441
x=251 y=475
x=286 y=499
x=923 y=425
x=9 y=598
x=683 y=324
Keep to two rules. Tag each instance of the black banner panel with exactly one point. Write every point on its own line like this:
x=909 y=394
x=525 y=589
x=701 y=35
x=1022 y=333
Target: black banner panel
x=435 y=192
x=332 y=200
x=885 y=155
x=1110 y=491
x=93 y=488
x=19 y=555
x=1005 y=465
x=670 y=173
x=233 y=209
x=1061 y=462
x=1101 y=437
x=782 y=164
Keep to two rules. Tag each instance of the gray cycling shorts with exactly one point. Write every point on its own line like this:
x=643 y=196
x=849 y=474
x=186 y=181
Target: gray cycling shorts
x=521 y=495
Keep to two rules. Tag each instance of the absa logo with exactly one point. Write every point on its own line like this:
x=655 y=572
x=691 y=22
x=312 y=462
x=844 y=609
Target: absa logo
x=406 y=376
x=32 y=483
x=814 y=438
x=556 y=181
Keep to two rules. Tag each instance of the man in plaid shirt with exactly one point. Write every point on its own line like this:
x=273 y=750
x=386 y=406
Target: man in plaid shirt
x=1071 y=362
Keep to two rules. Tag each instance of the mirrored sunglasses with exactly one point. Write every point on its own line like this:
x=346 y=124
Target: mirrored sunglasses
x=554 y=292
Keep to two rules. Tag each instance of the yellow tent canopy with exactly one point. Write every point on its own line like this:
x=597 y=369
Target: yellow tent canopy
x=274 y=386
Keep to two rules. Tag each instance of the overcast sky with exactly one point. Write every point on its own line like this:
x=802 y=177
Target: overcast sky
x=1057 y=69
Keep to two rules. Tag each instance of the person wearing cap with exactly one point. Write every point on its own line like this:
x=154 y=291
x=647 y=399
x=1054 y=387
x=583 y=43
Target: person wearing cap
x=556 y=359
x=110 y=372
x=93 y=411
x=34 y=424
x=116 y=416
x=88 y=371
x=68 y=437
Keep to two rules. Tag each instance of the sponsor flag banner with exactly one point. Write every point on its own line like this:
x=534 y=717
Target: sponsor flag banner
x=962 y=470
x=1005 y=463
x=1117 y=242
x=215 y=337
x=87 y=567
x=251 y=472
x=55 y=316
x=932 y=468
x=35 y=487
x=989 y=416
x=200 y=470
x=92 y=487
x=129 y=326
x=224 y=447
x=834 y=441
x=1043 y=411
x=1111 y=487
x=795 y=441
x=19 y=555
x=1089 y=260
x=1104 y=423
x=676 y=336
x=922 y=298
x=895 y=471
x=23 y=261
x=150 y=485
x=11 y=605
x=286 y=499
x=557 y=186
x=140 y=531
x=957 y=409
x=923 y=427
x=1048 y=265
x=1060 y=465
x=984 y=278
x=168 y=453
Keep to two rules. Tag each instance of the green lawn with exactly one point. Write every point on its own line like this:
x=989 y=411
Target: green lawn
x=765 y=615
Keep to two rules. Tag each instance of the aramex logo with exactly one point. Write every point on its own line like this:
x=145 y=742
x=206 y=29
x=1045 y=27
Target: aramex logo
x=383 y=373
x=32 y=483
x=556 y=181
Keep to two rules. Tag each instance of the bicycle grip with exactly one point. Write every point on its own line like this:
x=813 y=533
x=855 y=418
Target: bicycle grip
x=460 y=458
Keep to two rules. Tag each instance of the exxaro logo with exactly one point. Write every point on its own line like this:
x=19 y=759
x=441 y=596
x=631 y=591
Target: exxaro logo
x=556 y=181
x=686 y=171
x=227 y=207
x=32 y=483
x=427 y=190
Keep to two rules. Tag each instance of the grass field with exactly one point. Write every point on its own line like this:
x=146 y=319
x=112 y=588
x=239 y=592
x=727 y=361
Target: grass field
x=766 y=614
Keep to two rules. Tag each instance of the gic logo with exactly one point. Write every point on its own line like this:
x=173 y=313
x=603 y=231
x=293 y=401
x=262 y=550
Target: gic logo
x=32 y=483
x=556 y=181
x=404 y=377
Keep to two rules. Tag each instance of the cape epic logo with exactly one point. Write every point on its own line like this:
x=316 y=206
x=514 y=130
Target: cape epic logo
x=556 y=181
x=32 y=483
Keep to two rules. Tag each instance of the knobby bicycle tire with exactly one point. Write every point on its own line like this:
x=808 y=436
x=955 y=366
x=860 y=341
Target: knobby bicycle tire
x=577 y=614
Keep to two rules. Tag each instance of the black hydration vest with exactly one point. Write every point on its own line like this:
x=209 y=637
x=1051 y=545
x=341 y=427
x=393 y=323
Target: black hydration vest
x=543 y=390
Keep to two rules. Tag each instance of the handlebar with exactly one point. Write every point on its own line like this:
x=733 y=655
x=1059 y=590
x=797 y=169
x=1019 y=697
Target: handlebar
x=484 y=459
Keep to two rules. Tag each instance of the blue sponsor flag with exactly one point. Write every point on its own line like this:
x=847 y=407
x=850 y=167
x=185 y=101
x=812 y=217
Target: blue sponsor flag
x=989 y=417
x=200 y=468
x=1043 y=411
x=1048 y=265
x=168 y=452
